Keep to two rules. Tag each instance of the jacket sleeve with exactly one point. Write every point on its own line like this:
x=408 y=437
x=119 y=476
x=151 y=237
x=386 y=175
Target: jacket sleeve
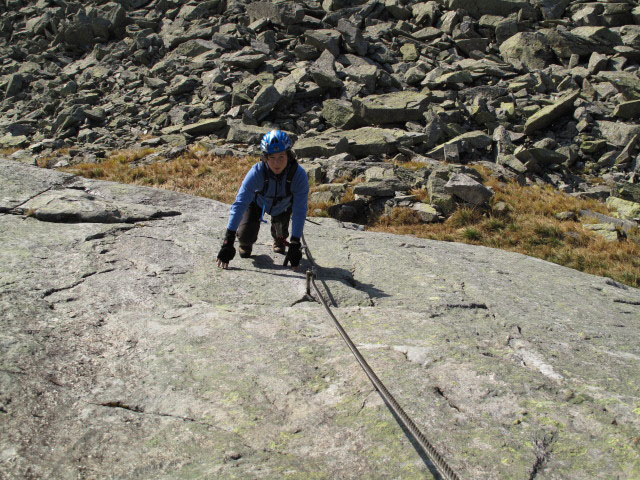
x=252 y=181
x=300 y=193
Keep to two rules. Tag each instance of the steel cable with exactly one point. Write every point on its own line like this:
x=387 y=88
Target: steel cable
x=434 y=456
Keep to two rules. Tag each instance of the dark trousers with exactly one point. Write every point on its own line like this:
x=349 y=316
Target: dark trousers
x=250 y=225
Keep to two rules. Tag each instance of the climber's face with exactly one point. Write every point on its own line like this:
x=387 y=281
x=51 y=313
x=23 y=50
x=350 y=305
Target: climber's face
x=277 y=162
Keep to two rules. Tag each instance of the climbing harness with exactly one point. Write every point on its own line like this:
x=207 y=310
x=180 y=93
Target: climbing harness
x=292 y=169
x=434 y=456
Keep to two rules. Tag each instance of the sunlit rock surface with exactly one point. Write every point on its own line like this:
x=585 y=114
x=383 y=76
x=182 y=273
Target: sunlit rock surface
x=125 y=353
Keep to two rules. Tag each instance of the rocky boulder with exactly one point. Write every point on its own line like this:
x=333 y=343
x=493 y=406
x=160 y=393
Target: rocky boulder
x=547 y=115
x=527 y=49
x=468 y=189
x=397 y=107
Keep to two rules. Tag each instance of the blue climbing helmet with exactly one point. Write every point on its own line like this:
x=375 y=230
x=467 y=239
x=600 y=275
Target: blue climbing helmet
x=275 y=141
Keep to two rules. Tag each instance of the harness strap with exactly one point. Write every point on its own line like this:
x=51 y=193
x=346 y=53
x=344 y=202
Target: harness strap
x=292 y=169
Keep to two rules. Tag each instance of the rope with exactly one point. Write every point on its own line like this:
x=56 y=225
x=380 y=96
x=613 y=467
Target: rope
x=434 y=456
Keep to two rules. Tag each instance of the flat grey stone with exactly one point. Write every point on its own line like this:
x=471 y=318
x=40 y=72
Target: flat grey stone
x=373 y=141
x=475 y=140
x=284 y=13
x=340 y=114
x=626 y=209
x=264 y=102
x=324 y=39
x=427 y=33
x=552 y=9
x=9 y=141
x=18 y=188
x=325 y=78
x=618 y=133
x=352 y=37
x=325 y=144
x=547 y=115
x=489 y=7
x=204 y=127
x=625 y=225
x=247 y=134
x=397 y=10
x=538 y=159
x=375 y=189
x=527 y=49
x=14 y=85
x=425 y=13
x=607 y=231
x=364 y=74
x=629 y=191
x=597 y=34
x=425 y=212
x=468 y=189
x=379 y=173
x=182 y=84
x=248 y=61
x=77 y=206
x=627 y=82
x=391 y=107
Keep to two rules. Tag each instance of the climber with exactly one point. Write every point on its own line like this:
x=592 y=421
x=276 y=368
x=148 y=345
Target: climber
x=278 y=186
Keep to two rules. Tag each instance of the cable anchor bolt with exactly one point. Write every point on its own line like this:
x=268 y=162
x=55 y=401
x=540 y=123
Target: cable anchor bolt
x=309 y=277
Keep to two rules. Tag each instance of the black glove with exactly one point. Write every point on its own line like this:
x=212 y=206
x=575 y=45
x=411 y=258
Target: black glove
x=227 y=252
x=294 y=254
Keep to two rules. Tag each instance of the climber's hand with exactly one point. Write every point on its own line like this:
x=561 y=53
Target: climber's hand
x=294 y=254
x=227 y=251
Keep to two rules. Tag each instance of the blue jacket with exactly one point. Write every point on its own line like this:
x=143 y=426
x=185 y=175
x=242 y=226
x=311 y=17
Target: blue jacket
x=274 y=200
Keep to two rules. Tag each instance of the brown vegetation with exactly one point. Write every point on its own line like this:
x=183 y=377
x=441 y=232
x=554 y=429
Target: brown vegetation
x=47 y=161
x=320 y=209
x=528 y=226
x=8 y=151
x=196 y=172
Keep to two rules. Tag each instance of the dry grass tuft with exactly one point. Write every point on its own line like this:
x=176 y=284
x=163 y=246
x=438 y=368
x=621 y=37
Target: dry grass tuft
x=463 y=217
x=195 y=172
x=400 y=216
x=145 y=136
x=9 y=151
x=421 y=194
x=411 y=165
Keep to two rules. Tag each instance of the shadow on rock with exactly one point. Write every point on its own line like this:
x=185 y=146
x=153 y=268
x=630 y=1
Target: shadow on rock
x=346 y=277
x=264 y=263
